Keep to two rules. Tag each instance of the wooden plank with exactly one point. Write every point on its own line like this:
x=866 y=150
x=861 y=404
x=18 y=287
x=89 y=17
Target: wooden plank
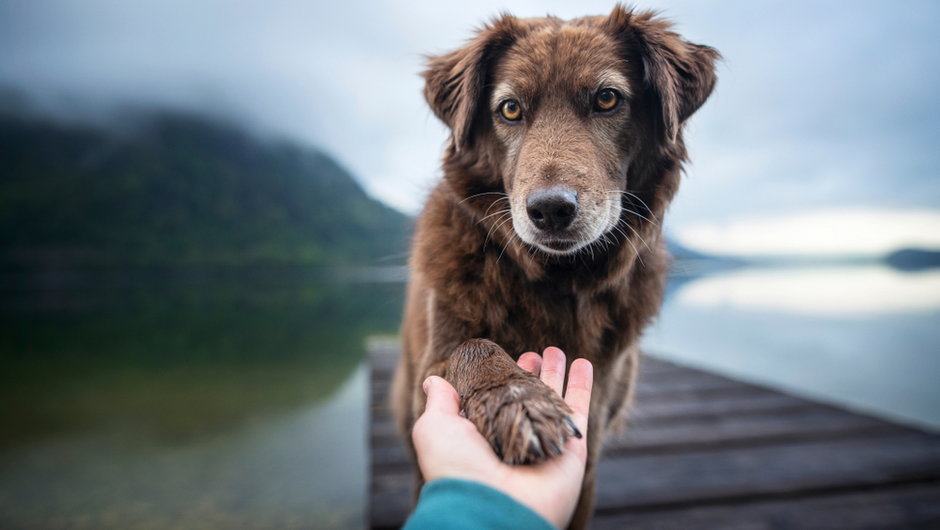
x=916 y=506
x=718 y=431
x=651 y=366
x=680 y=483
x=390 y=508
x=738 y=405
x=705 y=451
x=633 y=481
x=390 y=491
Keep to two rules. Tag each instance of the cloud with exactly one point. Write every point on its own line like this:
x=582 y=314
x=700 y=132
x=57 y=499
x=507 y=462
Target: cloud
x=818 y=104
x=834 y=292
x=836 y=232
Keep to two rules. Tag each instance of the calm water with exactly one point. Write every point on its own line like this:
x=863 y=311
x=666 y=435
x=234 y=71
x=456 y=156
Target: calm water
x=864 y=337
x=211 y=403
x=193 y=404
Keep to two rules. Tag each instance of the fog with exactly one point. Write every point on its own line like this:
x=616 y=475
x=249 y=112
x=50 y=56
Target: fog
x=819 y=105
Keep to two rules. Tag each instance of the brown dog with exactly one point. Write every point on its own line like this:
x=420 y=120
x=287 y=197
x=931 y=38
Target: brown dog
x=566 y=148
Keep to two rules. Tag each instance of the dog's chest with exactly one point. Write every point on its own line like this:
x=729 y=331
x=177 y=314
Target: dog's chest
x=540 y=315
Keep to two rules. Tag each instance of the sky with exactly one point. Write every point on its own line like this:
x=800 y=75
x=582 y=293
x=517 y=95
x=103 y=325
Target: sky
x=827 y=111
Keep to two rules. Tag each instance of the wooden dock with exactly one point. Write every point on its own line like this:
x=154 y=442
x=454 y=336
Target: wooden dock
x=706 y=451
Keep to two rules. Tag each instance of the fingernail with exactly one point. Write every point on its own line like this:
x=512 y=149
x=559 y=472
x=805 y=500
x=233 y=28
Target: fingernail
x=426 y=385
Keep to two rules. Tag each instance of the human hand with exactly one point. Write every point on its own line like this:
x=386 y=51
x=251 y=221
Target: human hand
x=449 y=446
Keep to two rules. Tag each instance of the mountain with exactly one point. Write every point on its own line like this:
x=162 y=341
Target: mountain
x=913 y=259
x=681 y=252
x=690 y=263
x=172 y=189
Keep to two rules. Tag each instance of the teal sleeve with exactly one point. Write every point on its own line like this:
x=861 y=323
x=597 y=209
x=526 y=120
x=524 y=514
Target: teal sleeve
x=462 y=504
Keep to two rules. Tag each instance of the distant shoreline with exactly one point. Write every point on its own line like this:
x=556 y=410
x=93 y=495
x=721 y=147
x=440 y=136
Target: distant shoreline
x=123 y=276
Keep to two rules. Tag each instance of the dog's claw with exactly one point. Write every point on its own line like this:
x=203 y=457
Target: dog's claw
x=572 y=427
x=523 y=418
x=536 y=448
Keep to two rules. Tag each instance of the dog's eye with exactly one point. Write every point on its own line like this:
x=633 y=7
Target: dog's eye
x=510 y=110
x=606 y=100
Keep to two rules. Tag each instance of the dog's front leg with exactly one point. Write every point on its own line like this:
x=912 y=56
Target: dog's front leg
x=524 y=420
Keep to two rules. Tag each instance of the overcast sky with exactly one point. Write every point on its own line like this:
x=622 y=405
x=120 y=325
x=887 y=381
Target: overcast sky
x=827 y=109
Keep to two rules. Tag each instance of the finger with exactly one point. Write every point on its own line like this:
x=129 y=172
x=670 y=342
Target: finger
x=530 y=362
x=441 y=396
x=578 y=393
x=553 y=368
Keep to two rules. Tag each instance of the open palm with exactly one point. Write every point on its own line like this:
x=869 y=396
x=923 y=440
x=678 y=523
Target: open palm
x=449 y=446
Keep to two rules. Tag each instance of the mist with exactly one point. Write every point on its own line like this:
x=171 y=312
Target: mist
x=819 y=105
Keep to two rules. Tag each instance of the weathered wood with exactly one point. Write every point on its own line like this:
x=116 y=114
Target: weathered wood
x=705 y=451
x=901 y=507
x=727 y=405
x=696 y=433
x=639 y=481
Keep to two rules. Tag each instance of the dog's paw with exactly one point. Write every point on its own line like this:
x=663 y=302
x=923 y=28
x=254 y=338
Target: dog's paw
x=524 y=420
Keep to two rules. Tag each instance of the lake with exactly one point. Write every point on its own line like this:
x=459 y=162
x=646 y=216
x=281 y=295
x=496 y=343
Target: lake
x=219 y=401
x=187 y=402
x=864 y=337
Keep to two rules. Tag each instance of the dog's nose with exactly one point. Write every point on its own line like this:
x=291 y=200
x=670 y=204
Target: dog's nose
x=553 y=209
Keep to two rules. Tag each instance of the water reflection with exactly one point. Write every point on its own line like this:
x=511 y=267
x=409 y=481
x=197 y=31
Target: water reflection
x=833 y=292
x=242 y=402
x=208 y=404
x=298 y=468
x=862 y=337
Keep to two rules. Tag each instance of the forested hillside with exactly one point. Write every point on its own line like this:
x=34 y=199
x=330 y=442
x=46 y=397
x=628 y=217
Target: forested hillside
x=171 y=189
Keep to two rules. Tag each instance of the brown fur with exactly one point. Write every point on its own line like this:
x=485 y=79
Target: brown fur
x=473 y=273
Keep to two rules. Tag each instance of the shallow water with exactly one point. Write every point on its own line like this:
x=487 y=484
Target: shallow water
x=188 y=404
x=224 y=403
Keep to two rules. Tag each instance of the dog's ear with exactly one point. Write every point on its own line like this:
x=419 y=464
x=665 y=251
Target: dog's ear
x=679 y=75
x=455 y=82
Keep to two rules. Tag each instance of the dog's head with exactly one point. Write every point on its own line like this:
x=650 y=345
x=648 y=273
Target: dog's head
x=566 y=118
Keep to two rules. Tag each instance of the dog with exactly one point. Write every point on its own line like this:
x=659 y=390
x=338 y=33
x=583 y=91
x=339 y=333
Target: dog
x=566 y=146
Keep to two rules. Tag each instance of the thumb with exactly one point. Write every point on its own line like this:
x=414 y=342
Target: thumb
x=442 y=397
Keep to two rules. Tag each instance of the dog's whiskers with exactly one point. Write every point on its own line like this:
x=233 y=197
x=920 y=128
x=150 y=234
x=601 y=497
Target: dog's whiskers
x=494 y=203
x=480 y=195
x=639 y=236
x=630 y=242
x=629 y=196
x=641 y=216
x=497 y=212
x=637 y=197
x=633 y=195
x=512 y=235
x=495 y=228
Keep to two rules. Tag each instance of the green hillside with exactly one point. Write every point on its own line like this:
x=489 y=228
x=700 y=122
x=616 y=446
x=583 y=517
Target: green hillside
x=178 y=190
